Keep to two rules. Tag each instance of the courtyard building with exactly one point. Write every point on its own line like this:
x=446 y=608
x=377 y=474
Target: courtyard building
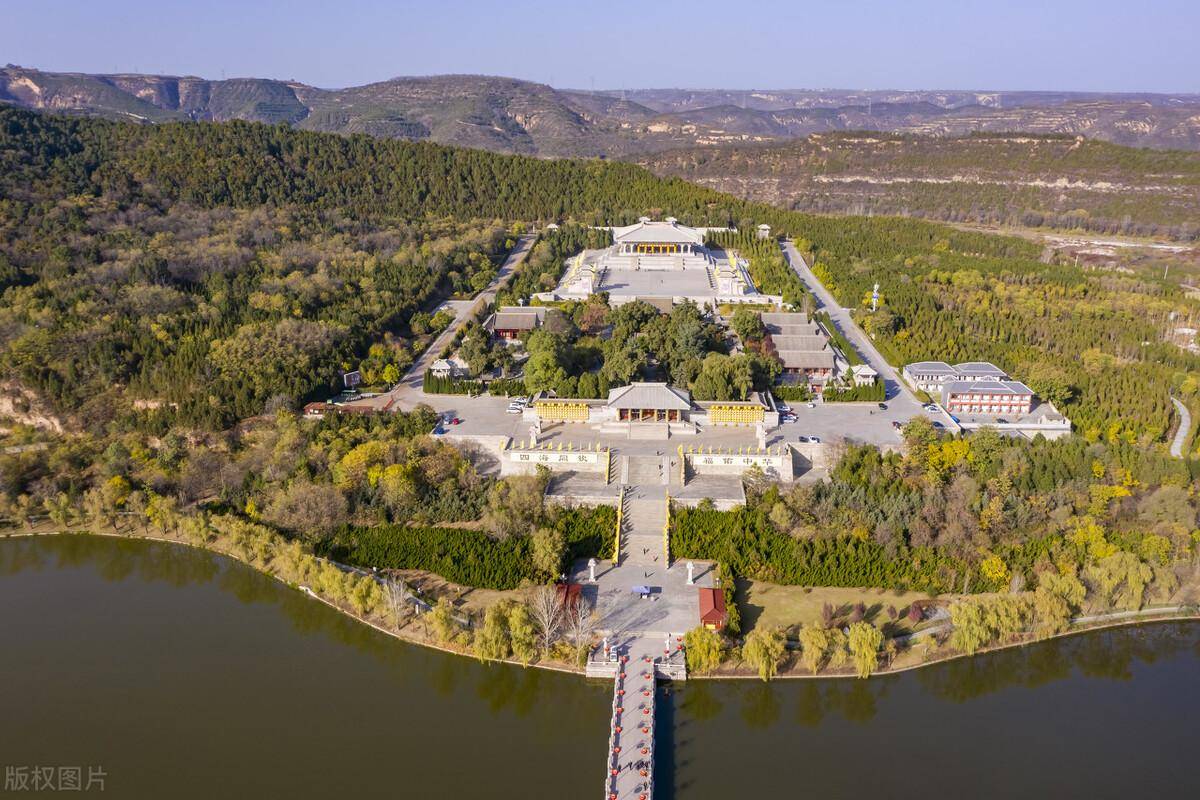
x=645 y=404
x=509 y=323
x=803 y=348
x=452 y=367
x=931 y=376
x=649 y=402
x=661 y=262
x=987 y=397
x=864 y=375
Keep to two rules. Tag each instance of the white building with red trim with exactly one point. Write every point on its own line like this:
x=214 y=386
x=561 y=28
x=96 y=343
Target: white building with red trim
x=1011 y=398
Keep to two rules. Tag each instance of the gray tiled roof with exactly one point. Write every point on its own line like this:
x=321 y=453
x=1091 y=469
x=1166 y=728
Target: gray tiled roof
x=980 y=369
x=811 y=343
x=930 y=368
x=665 y=232
x=806 y=359
x=786 y=318
x=986 y=387
x=649 y=395
x=515 y=321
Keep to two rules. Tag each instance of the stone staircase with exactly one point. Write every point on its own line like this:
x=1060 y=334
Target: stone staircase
x=642 y=525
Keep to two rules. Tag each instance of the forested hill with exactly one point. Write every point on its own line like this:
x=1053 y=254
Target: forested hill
x=247 y=165
x=198 y=272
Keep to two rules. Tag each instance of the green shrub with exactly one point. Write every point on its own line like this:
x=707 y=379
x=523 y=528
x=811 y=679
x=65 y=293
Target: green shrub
x=792 y=394
x=434 y=384
x=876 y=392
x=507 y=387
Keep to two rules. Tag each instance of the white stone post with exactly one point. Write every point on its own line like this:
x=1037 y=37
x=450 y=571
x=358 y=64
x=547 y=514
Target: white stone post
x=591 y=570
x=691 y=567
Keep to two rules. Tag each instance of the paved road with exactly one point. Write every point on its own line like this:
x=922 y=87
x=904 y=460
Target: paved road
x=1185 y=427
x=407 y=393
x=897 y=389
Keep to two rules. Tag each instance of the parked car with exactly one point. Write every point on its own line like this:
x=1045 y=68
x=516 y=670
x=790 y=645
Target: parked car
x=788 y=417
x=938 y=425
x=802 y=439
x=455 y=421
x=931 y=408
x=883 y=406
x=783 y=408
x=515 y=408
x=815 y=439
x=812 y=405
x=896 y=424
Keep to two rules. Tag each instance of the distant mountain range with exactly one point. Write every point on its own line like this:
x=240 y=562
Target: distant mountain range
x=517 y=116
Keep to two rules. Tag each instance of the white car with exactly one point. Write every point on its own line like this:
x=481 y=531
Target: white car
x=515 y=408
x=931 y=408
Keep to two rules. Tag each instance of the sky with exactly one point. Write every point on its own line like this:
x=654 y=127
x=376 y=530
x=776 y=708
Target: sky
x=1098 y=45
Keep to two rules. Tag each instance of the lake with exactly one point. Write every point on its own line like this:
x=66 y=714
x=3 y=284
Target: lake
x=182 y=674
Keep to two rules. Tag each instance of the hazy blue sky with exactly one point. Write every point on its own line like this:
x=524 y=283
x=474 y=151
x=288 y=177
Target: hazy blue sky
x=964 y=44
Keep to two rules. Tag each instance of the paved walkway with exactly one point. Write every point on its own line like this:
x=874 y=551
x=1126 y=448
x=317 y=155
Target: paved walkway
x=631 y=742
x=643 y=630
x=1185 y=427
x=644 y=520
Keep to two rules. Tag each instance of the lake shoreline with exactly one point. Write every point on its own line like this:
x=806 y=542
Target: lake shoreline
x=1127 y=619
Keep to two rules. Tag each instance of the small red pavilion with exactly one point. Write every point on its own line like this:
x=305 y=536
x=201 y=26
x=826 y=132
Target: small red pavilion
x=712 y=609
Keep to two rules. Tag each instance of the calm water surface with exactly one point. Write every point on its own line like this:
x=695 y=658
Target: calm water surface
x=188 y=676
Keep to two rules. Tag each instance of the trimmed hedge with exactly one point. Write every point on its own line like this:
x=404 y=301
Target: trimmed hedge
x=746 y=543
x=468 y=557
x=791 y=393
x=433 y=384
x=509 y=387
x=839 y=341
x=877 y=391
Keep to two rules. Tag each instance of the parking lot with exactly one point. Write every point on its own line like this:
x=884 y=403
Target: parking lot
x=860 y=423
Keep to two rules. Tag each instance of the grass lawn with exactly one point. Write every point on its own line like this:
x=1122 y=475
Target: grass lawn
x=466 y=599
x=790 y=606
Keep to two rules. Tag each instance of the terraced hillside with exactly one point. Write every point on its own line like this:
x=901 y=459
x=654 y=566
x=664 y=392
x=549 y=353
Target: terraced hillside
x=1054 y=181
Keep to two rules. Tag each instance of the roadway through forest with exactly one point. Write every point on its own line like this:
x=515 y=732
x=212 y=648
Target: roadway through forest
x=1185 y=427
x=408 y=392
x=898 y=390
